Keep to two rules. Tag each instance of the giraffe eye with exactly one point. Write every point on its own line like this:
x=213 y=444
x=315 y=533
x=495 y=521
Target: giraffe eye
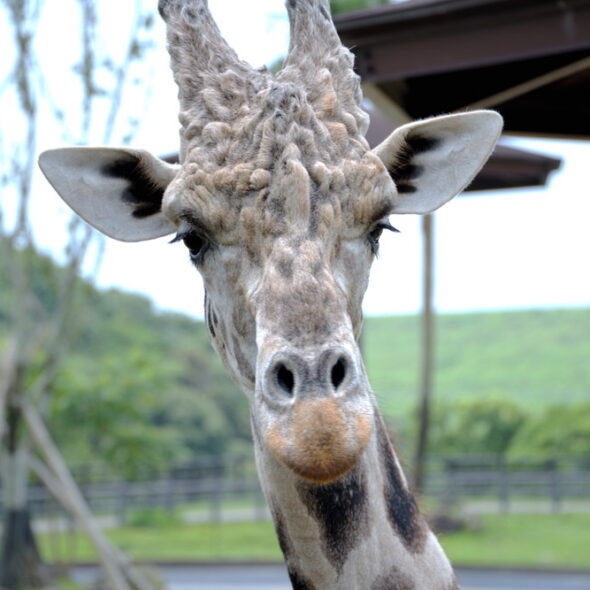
x=373 y=238
x=375 y=234
x=196 y=244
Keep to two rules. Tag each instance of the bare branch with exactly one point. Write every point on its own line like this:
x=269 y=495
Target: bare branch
x=121 y=74
x=39 y=330
x=87 y=65
x=122 y=574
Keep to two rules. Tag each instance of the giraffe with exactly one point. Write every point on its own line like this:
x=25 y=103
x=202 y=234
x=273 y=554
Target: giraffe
x=281 y=204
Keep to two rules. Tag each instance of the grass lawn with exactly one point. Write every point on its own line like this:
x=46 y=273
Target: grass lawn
x=178 y=542
x=533 y=540
x=543 y=541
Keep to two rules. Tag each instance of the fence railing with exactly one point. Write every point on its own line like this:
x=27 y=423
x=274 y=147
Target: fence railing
x=215 y=489
x=507 y=481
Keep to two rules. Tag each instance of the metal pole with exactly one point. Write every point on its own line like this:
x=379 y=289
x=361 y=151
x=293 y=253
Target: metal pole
x=427 y=354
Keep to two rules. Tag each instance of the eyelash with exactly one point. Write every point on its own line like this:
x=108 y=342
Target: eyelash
x=196 y=244
x=374 y=235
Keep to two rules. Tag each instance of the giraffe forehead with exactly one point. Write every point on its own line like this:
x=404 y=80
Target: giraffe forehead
x=283 y=149
x=231 y=116
x=242 y=202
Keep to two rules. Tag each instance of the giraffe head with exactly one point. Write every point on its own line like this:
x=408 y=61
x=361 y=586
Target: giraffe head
x=281 y=203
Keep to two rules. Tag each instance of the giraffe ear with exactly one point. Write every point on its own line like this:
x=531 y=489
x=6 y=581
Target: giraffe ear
x=433 y=160
x=116 y=190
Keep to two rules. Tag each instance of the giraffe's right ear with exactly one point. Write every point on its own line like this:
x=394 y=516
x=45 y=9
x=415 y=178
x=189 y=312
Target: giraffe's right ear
x=433 y=160
x=116 y=190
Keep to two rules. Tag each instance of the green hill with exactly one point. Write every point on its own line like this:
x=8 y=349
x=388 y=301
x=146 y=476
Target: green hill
x=136 y=388
x=538 y=358
x=139 y=384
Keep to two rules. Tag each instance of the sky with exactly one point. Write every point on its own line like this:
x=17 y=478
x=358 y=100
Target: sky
x=494 y=250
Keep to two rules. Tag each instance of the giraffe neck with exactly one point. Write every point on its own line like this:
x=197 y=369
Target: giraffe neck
x=363 y=531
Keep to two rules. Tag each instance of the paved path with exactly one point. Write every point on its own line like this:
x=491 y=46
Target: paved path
x=267 y=577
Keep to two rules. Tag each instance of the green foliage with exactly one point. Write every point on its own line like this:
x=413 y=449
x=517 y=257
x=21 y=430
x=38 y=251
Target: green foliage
x=350 y=5
x=559 y=430
x=106 y=410
x=155 y=393
x=475 y=425
x=137 y=390
x=44 y=276
x=499 y=425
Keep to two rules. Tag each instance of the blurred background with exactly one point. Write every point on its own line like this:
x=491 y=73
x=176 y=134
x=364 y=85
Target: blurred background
x=119 y=427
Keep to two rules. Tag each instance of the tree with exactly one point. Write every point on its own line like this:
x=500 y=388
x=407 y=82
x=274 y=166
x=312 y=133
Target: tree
x=106 y=410
x=350 y=5
x=38 y=325
x=477 y=425
x=559 y=430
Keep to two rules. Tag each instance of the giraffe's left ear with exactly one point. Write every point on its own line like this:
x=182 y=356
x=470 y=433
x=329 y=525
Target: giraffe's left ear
x=433 y=160
x=116 y=190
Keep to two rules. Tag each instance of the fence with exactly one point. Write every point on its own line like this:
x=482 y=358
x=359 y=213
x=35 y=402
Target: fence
x=508 y=483
x=210 y=489
x=226 y=488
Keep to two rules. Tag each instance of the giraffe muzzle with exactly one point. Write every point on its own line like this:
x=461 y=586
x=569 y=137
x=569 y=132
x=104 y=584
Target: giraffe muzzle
x=318 y=415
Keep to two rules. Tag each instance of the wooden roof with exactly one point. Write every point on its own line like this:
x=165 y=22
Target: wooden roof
x=507 y=168
x=529 y=59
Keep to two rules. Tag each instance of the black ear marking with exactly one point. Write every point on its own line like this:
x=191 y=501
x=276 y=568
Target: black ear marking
x=405 y=188
x=412 y=171
x=146 y=211
x=142 y=193
x=419 y=144
x=403 y=170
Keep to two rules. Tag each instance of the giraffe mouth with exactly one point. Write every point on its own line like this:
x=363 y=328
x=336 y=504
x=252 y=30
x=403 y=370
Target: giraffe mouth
x=320 y=440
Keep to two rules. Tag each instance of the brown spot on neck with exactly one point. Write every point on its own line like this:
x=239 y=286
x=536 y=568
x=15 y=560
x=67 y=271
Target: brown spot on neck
x=394 y=579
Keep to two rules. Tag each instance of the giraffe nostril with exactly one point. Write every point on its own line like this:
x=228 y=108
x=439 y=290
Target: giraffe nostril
x=285 y=378
x=338 y=372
